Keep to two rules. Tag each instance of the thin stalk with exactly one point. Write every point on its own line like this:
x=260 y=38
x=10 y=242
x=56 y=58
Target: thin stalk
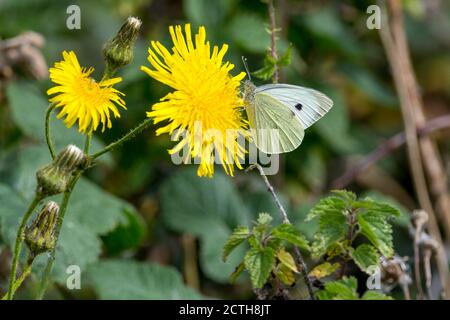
x=132 y=133
x=87 y=143
x=26 y=272
x=48 y=137
x=284 y=217
x=18 y=245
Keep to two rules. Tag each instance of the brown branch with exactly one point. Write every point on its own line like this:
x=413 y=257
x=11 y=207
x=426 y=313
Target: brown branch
x=386 y=148
x=284 y=217
x=273 y=39
x=394 y=41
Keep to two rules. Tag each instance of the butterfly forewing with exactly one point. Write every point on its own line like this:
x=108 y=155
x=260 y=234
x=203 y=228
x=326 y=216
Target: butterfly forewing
x=309 y=105
x=276 y=129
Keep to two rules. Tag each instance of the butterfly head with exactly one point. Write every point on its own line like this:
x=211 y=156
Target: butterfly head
x=249 y=92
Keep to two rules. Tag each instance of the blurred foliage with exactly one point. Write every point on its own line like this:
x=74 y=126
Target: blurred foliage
x=125 y=220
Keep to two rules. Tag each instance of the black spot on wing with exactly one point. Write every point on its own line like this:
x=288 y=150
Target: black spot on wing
x=299 y=106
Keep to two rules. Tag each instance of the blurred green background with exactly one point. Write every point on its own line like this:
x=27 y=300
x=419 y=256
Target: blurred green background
x=139 y=226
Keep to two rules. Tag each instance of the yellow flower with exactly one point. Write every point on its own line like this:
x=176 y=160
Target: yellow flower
x=206 y=101
x=81 y=98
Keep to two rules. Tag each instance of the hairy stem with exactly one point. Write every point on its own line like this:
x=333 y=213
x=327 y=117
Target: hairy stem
x=284 y=217
x=18 y=245
x=132 y=133
x=48 y=137
x=273 y=39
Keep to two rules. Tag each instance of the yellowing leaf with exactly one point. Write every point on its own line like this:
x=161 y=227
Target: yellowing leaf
x=285 y=275
x=287 y=260
x=323 y=270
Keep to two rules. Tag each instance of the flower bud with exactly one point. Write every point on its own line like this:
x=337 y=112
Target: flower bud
x=40 y=235
x=55 y=177
x=118 y=51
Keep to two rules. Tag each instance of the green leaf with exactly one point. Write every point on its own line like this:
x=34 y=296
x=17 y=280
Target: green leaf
x=290 y=234
x=127 y=235
x=248 y=32
x=130 y=280
x=375 y=295
x=344 y=289
x=376 y=228
x=237 y=237
x=265 y=73
x=365 y=257
x=209 y=209
x=237 y=272
x=285 y=59
x=332 y=223
x=259 y=263
x=323 y=270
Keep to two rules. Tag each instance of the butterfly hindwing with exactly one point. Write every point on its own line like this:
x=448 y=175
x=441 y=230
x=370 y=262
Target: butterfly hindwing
x=308 y=104
x=276 y=129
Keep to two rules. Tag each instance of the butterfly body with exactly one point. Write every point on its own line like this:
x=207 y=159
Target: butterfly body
x=278 y=114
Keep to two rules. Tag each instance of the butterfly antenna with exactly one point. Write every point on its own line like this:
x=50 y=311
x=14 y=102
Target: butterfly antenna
x=244 y=60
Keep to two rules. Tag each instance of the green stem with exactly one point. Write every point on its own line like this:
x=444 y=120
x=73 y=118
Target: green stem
x=144 y=124
x=87 y=143
x=18 y=245
x=48 y=137
x=59 y=222
x=26 y=272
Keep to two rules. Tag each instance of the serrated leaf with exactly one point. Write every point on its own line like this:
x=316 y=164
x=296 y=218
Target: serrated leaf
x=375 y=295
x=285 y=59
x=323 y=270
x=377 y=230
x=265 y=73
x=344 y=289
x=237 y=237
x=285 y=275
x=290 y=234
x=130 y=280
x=287 y=260
x=365 y=257
x=237 y=272
x=259 y=263
x=264 y=218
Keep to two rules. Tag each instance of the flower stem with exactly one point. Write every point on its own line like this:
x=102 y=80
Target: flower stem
x=48 y=137
x=59 y=222
x=144 y=124
x=87 y=143
x=18 y=245
x=284 y=217
x=26 y=272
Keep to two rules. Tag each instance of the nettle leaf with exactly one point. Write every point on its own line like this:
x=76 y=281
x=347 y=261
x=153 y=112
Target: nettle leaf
x=287 y=260
x=209 y=209
x=285 y=59
x=267 y=71
x=259 y=263
x=290 y=234
x=375 y=295
x=237 y=272
x=239 y=235
x=331 y=212
x=323 y=270
x=344 y=289
x=365 y=257
x=131 y=280
x=374 y=224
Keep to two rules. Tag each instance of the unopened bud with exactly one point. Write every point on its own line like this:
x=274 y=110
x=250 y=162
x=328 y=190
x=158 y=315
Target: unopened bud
x=56 y=176
x=118 y=51
x=40 y=235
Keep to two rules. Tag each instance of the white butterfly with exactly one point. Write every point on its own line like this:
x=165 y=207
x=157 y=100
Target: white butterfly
x=279 y=114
